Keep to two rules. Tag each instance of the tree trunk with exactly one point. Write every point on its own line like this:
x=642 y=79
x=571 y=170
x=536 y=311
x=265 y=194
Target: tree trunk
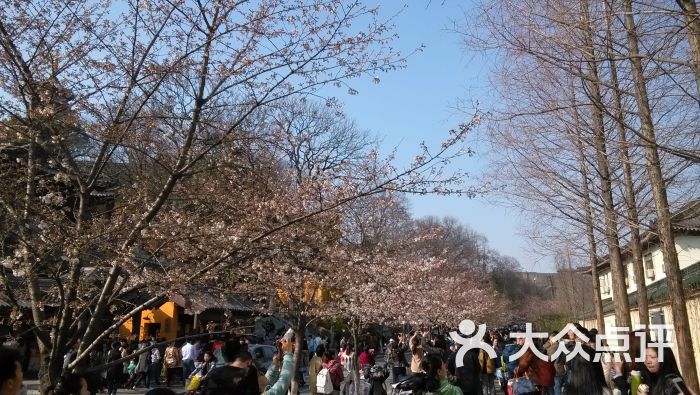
x=593 y=257
x=331 y=342
x=630 y=198
x=47 y=370
x=298 y=345
x=682 y=336
x=590 y=233
x=94 y=326
x=622 y=311
x=635 y=239
x=356 y=373
x=692 y=20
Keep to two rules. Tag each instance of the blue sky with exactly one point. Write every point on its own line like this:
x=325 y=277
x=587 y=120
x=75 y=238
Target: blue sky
x=420 y=103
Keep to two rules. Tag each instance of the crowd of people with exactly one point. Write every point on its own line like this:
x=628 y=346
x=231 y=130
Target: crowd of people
x=423 y=362
x=157 y=362
x=418 y=362
x=523 y=372
x=221 y=365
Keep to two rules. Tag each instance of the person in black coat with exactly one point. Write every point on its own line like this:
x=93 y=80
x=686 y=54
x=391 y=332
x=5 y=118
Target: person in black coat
x=114 y=372
x=467 y=376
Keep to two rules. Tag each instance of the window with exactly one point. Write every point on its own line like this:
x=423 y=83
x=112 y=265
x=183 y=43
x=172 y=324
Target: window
x=604 y=288
x=649 y=266
x=633 y=278
x=656 y=317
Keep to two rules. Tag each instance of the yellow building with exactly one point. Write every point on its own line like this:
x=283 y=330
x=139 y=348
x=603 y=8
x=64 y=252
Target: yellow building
x=312 y=292
x=183 y=315
x=160 y=323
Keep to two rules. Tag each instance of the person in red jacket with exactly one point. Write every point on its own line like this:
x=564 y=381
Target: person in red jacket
x=335 y=370
x=366 y=358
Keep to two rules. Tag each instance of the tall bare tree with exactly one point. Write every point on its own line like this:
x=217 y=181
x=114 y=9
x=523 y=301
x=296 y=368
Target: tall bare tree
x=619 y=284
x=663 y=212
x=632 y=216
x=692 y=20
x=532 y=39
x=587 y=206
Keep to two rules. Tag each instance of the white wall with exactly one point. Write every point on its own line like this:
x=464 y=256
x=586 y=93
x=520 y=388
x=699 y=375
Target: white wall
x=688 y=248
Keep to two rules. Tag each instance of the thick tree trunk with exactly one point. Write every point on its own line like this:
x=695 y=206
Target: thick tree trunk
x=622 y=311
x=674 y=279
x=692 y=20
x=48 y=371
x=630 y=198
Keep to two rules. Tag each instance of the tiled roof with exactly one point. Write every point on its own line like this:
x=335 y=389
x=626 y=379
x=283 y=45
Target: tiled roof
x=688 y=217
x=48 y=287
x=657 y=292
x=685 y=219
x=5 y=302
x=199 y=302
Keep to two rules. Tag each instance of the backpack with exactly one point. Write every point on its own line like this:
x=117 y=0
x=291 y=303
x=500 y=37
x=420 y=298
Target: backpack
x=523 y=385
x=324 y=385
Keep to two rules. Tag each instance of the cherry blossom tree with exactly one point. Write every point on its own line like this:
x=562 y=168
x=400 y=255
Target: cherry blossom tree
x=394 y=276
x=325 y=168
x=137 y=147
x=155 y=89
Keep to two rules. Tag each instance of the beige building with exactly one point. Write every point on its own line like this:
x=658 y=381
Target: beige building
x=686 y=229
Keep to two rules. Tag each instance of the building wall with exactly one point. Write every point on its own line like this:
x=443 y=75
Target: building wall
x=311 y=291
x=687 y=246
x=166 y=316
x=127 y=329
